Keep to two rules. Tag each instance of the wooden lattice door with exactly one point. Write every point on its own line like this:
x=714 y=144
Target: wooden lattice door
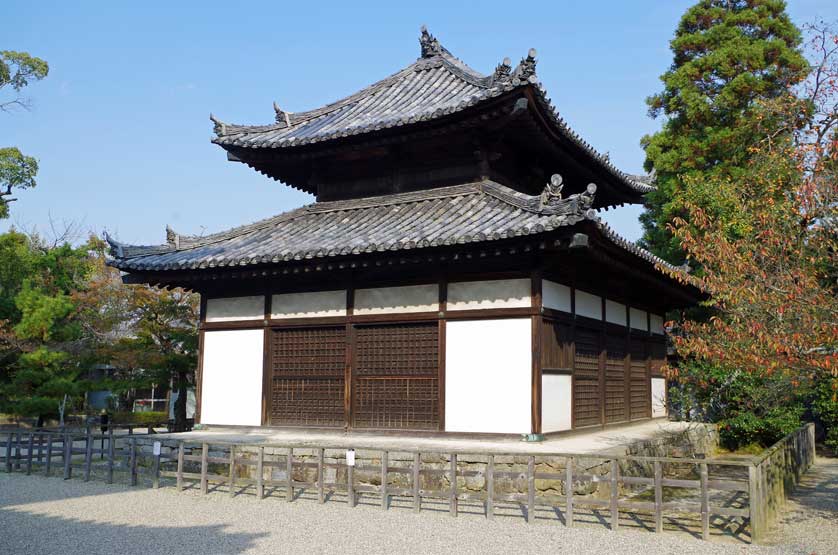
x=586 y=368
x=396 y=377
x=307 y=377
x=615 y=380
x=640 y=392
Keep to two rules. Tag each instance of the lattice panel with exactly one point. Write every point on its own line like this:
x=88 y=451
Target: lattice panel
x=307 y=377
x=396 y=379
x=586 y=401
x=615 y=390
x=555 y=351
x=640 y=405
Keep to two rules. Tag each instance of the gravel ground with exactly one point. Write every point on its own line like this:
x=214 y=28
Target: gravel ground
x=48 y=515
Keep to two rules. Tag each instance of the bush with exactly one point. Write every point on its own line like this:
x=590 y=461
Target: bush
x=746 y=428
x=825 y=407
x=142 y=418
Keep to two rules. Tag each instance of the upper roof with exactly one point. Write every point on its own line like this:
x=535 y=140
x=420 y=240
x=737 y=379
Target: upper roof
x=433 y=87
x=471 y=213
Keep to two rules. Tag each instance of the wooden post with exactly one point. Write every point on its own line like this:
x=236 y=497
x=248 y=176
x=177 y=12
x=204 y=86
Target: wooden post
x=68 y=456
x=260 y=474
x=658 y=498
x=289 y=467
x=155 y=468
x=321 y=497
x=452 y=495
x=29 y=448
x=9 y=444
x=705 y=503
x=111 y=455
x=531 y=489
x=568 y=491
x=232 y=479
x=40 y=447
x=350 y=485
x=18 y=449
x=615 y=513
x=88 y=453
x=204 y=453
x=417 y=498
x=133 y=461
x=179 y=477
x=48 y=466
x=384 y=497
x=490 y=487
x=755 y=501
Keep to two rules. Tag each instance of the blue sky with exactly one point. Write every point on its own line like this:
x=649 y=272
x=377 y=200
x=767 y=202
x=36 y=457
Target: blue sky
x=121 y=126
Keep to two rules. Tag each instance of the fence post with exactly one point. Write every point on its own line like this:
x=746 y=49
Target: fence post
x=48 y=465
x=9 y=444
x=289 y=468
x=321 y=498
x=452 y=495
x=133 y=461
x=658 y=497
x=18 y=450
x=180 y=466
x=417 y=498
x=568 y=491
x=755 y=502
x=204 y=453
x=260 y=474
x=705 y=503
x=384 y=497
x=490 y=488
x=232 y=479
x=615 y=493
x=155 y=467
x=531 y=489
x=110 y=455
x=68 y=455
x=350 y=485
x=88 y=454
x=30 y=446
x=40 y=446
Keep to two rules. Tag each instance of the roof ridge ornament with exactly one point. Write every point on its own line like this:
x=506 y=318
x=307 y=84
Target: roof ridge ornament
x=429 y=44
x=282 y=115
x=503 y=70
x=525 y=71
x=219 y=127
x=552 y=193
x=172 y=237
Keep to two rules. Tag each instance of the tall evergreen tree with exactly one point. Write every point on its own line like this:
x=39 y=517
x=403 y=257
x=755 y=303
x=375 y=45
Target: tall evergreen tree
x=729 y=55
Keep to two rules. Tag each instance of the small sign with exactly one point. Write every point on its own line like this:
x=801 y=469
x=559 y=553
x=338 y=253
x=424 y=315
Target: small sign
x=156 y=448
x=350 y=457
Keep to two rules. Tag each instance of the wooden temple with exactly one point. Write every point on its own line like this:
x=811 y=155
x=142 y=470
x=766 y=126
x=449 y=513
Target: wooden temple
x=452 y=275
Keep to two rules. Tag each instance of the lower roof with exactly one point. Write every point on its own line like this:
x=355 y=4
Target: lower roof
x=471 y=213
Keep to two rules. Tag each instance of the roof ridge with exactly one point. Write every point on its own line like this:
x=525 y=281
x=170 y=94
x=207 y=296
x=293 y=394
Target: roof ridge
x=394 y=198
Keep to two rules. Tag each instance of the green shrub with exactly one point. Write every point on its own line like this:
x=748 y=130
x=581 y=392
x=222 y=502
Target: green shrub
x=142 y=418
x=747 y=428
x=825 y=407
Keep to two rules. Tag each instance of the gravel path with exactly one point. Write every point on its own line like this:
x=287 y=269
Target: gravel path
x=48 y=515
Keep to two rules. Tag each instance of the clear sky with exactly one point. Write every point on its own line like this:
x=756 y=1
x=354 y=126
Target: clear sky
x=121 y=126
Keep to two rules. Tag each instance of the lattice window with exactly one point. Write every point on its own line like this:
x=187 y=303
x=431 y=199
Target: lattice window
x=307 y=377
x=396 y=379
x=586 y=393
x=615 y=379
x=640 y=388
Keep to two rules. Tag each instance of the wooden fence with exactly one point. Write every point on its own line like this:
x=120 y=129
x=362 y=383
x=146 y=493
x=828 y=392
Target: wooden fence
x=749 y=491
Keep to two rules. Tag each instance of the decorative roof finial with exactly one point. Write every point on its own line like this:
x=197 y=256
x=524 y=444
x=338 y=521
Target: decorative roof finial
x=172 y=237
x=503 y=70
x=552 y=193
x=526 y=69
x=281 y=115
x=219 y=127
x=430 y=45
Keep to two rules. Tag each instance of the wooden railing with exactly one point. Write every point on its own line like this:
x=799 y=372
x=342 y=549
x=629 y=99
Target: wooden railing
x=733 y=489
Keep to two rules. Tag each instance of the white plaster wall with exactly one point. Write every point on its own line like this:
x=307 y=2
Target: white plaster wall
x=231 y=382
x=555 y=295
x=236 y=308
x=615 y=312
x=555 y=402
x=499 y=293
x=488 y=376
x=588 y=305
x=638 y=319
x=658 y=397
x=657 y=323
x=393 y=300
x=315 y=304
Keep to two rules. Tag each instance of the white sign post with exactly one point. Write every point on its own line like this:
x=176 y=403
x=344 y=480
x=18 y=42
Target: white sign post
x=350 y=457
x=156 y=448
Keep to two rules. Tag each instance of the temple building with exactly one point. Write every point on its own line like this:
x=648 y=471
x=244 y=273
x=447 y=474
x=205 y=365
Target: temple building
x=452 y=275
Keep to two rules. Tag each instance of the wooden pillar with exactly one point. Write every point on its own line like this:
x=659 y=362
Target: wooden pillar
x=350 y=357
x=443 y=307
x=537 y=323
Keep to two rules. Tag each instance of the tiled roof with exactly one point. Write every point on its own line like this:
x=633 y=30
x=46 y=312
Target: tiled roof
x=436 y=85
x=470 y=213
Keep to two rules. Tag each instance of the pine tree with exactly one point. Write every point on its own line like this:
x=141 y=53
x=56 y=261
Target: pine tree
x=729 y=55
